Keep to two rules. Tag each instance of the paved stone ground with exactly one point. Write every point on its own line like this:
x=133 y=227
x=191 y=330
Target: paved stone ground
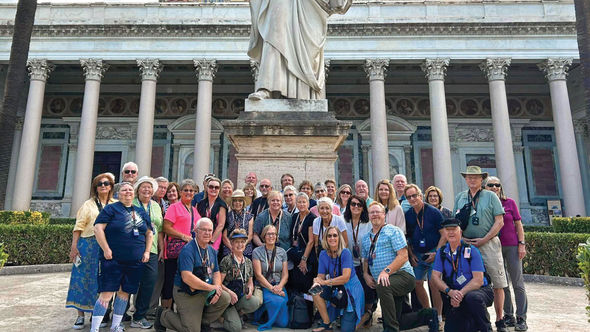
x=35 y=302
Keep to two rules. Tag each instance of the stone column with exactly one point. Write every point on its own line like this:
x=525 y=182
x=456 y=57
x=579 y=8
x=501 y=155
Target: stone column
x=39 y=70
x=150 y=69
x=495 y=71
x=376 y=71
x=206 y=70
x=18 y=130
x=365 y=165
x=581 y=132
x=93 y=72
x=436 y=70
x=569 y=167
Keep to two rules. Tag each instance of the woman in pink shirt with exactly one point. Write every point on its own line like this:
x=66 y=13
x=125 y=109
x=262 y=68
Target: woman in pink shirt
x=513 y=251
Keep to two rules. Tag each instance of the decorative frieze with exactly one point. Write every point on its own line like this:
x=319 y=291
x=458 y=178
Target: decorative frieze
x=205 y=69
x=495 y=69
x=435 y=69
x=94 y=69
x=555 y=68
x=39 y=69
x=376 y=68
x=113 y=132
x=149 y=68
x=474 y=134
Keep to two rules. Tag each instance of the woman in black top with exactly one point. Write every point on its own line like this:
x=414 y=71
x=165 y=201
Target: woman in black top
x=214 y=208
x=302 y=254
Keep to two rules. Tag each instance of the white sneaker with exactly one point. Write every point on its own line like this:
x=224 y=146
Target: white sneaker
x=79 y=324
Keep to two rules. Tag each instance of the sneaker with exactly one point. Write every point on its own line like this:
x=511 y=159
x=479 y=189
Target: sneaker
x=509 y=320
x=142 y=324
x=500 y=326
x=520 y=324
x=119 y=328
x=79 y=324
x=105 y=320
x=157 y=324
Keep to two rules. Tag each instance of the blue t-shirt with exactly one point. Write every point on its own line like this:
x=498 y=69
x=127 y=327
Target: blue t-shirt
x=330 y=266
x=192 y=256
x=125 y=244
x=430 y=234
x=464 y=267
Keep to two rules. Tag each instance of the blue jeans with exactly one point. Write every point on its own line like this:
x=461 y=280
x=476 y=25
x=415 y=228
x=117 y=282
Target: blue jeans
x=348 y=321
x=146 y=287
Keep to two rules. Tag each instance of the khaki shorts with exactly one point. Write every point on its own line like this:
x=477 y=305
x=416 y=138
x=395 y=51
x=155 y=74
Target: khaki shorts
x=491 y=253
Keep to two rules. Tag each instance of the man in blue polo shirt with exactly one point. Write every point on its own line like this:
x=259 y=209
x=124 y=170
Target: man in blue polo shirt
x=459 y=274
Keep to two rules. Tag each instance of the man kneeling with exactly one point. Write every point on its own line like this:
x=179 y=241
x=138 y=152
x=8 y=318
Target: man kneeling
x=200 y=299
x=458 y=272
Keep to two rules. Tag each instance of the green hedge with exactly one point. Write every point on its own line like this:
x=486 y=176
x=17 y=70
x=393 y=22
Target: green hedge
x=584 y=265
x=62 y=221
x=553 y=253
x=542 y=229
x=572 y=225
x=24 y=217
x=36 y=244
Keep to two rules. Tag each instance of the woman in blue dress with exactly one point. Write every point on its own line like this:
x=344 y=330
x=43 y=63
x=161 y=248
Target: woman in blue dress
x=335 y=269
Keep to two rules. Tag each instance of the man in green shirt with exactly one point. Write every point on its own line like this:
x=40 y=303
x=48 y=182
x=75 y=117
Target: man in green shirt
x=485 y=221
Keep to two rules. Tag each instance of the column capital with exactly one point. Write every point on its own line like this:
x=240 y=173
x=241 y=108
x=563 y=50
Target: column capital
x=93 y=68
x=18 y=124
x=205 y=68
x=555 y=68
x=435 y=69
x=495 y=69
x=254 y=65
x=149 y=68
x=376 y=69
x=39 y=69
x=365 y=148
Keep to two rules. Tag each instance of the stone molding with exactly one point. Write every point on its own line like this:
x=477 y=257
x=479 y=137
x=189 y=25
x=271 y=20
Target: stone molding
x=205 y=68
x=555 y=68
x=581 y=127
x=243 y=30
x=39 y=69
x=376 y=69
x=495 y=69
x=254 y=66
x=18 y=124
x=435 y=69
x=149 y=68
x=94 y=69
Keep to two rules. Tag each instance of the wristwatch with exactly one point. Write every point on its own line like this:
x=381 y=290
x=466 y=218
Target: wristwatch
x=387 y=270
x=447 y=290
x=521 y=242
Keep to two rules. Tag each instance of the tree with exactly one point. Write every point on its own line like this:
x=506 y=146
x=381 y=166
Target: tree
x=583 y=28
x=15 y=83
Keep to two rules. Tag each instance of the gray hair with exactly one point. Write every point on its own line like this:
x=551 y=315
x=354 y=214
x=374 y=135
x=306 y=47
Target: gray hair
x=127 y=164
x=290 y=187
x=188 y=182
x=161 y=179
x=203 y=220
x=302 y=194
x=320 y=185
x=326 y=200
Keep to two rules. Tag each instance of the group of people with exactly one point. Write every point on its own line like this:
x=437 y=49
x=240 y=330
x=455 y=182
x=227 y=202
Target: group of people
x=194 y=257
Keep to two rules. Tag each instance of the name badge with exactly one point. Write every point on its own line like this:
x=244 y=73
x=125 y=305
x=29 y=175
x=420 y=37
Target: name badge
x=135 y=232
x=467 y=253
x=422 y=243
x=461 y=279
x=473 y=212
x=209 y=270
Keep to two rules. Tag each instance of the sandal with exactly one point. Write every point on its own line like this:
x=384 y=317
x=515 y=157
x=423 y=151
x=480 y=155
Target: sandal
x=366 y=320
x=322 y=327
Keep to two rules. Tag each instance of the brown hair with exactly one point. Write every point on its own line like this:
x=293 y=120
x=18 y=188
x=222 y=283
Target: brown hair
x=438 y=191
x=96 y=180
x=392 y=201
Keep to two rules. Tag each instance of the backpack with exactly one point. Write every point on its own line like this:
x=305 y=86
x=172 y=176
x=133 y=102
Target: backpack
x=300 y=311
x=449 y=280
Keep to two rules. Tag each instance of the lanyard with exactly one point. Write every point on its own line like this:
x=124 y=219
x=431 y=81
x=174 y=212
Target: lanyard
x=455 y=262
x=296 y=228
x=270 y=262
x=336 y=267
x=99 y=204
x=421 y=226
x=192 y=217
x=322 y=226
x=475 y=200
x=204 y=258
x=274 y=223
x=235 y=218
x=238 y=266
x=374 y=242
x=355 y=234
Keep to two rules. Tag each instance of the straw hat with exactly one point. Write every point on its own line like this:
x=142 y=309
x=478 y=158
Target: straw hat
x=239 y=194
x=475 y=170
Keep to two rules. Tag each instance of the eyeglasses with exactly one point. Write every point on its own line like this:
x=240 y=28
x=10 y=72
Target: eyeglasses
x=412 y=196
x=264 y=186
x=345 y=193
x=129 y=171
x=331 y=235
x=188 y=190
x=355 y=204
x=213 y=187
x=103 y=184
x=206 y=230
x=490 y=185
x=289 y=195
x=319 y=191
x=271 y=234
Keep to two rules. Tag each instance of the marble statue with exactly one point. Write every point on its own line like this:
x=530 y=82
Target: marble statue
x=287 y=40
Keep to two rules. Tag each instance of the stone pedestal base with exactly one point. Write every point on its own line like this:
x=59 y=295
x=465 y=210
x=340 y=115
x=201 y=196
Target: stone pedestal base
x=271 y=141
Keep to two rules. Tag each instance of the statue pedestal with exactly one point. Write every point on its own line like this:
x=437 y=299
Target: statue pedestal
x=277 y=136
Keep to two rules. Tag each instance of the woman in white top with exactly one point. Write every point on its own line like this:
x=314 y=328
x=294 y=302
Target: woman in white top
x=325 y=220
x=394 y=214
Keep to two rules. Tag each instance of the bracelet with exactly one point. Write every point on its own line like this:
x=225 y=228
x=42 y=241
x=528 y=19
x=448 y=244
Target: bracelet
x=303 y=258
x=521 y=242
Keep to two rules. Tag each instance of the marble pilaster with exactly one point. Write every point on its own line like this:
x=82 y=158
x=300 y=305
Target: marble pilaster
x=435 y=70
x=555 y=70
x=581 y=129
x=18 y=132
x=39 y=70
x=93 y=72
x=376 y=72
x=495 y=70
x=205 y=70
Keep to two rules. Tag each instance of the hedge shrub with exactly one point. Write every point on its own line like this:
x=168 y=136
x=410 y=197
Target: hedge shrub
x=3 y=255
x=543 y=229
x=24 y=217
x=62 y=221
x=36 y=244
x=584 y=265
x=572 y=225
x=553 y=253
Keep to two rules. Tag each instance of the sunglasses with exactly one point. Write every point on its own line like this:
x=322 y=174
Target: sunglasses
x=289 y=195
x=412 y=196
x=355 y=204
x=331 y=235
x=490 y=185
x=345 y=193
x=264 y=186
x=103 y=184
x=129 y=171
x=188 y=190
x=213 y=187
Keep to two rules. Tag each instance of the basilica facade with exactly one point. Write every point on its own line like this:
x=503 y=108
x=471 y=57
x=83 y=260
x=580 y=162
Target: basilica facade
x=491 y=83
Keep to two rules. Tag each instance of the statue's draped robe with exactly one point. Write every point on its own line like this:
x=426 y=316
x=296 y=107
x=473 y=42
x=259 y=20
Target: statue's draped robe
x=287 y=39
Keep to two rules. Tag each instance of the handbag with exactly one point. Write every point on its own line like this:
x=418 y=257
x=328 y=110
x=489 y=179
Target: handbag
x=173 y=247
x=463 y=215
